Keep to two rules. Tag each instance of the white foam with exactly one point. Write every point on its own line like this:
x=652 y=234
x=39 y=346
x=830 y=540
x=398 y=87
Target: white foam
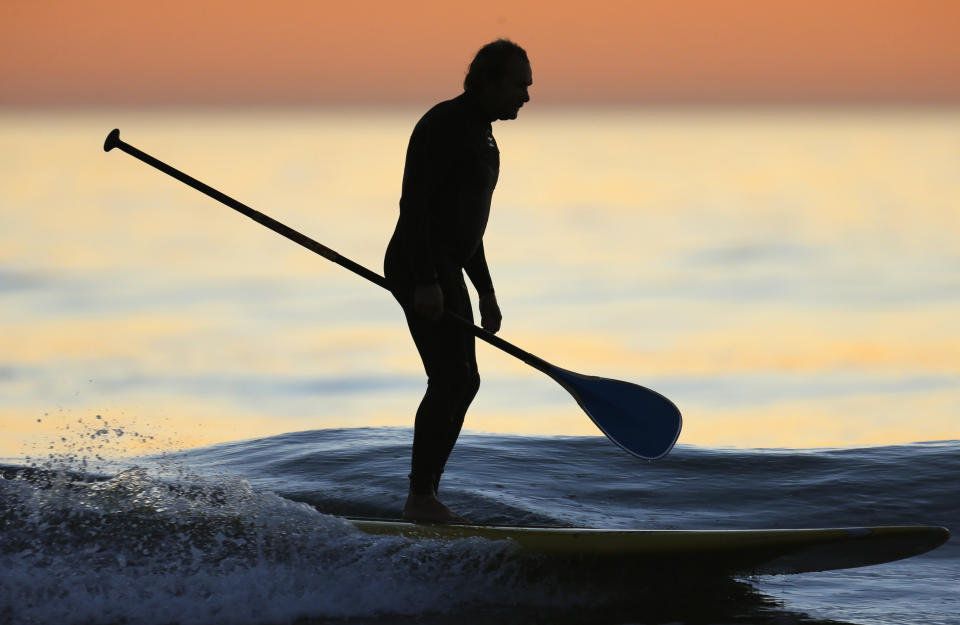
x=134 y=550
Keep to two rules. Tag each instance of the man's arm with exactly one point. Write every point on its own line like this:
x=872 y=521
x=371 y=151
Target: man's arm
x=426 y=166
x=423 y=172
x=479 y=273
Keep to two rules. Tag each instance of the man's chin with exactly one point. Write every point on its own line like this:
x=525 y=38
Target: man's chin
x=510 y=114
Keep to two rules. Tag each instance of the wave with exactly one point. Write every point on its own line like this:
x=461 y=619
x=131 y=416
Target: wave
x=252 y=531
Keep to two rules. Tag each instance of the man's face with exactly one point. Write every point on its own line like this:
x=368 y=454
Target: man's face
x=505 y=97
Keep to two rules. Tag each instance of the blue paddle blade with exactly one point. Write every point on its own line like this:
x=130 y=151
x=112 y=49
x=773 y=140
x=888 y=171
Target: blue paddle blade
x=642 y=422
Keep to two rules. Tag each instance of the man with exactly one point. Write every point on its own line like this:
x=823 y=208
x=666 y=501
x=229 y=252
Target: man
x=451 y=170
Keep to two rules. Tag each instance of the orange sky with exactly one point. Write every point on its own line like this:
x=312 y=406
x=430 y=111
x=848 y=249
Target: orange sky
x=294 y=51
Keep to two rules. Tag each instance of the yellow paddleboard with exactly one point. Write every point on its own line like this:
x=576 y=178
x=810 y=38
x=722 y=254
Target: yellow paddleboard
x=769 y=551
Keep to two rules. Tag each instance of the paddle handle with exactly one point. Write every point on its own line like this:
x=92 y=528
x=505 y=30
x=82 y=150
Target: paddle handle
x=113 y=140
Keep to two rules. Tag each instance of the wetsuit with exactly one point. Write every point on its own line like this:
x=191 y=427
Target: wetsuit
x=451 y=170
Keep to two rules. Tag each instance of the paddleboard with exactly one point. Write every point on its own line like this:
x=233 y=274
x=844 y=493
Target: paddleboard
x=765 y=551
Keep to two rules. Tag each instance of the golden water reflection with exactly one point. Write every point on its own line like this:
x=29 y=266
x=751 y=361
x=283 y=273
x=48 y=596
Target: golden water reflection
x=789 y=279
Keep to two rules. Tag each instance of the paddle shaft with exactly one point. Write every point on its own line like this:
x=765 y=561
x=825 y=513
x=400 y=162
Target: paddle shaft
x=114 y=141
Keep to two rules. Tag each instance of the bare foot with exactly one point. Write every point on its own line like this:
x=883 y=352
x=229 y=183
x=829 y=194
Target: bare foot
x=428 y=508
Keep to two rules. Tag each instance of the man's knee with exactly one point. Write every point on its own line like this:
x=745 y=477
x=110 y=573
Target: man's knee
x=460 y=379
x=472 y=383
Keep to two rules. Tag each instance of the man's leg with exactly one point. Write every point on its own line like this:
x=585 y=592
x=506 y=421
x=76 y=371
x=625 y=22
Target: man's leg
x=449 y=358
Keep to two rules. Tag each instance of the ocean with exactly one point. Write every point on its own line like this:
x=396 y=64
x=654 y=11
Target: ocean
x=250 y=532
x=790 y=278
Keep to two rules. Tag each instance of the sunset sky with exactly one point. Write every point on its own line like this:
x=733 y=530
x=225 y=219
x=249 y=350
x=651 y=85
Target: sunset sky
x=205 y=52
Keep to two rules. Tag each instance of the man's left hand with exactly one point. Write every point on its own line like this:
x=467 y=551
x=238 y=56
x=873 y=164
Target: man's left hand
x=490 y=316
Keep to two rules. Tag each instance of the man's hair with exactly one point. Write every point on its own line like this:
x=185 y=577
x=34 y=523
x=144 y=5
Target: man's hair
x=490 y=63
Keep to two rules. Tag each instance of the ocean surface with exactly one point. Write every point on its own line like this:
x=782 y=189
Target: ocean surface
x=250 y=532
x=790 y=278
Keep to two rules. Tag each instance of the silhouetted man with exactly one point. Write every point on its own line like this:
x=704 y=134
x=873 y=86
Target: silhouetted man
x=451 y=170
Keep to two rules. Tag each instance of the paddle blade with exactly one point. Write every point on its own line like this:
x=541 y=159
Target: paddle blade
x=642 y=422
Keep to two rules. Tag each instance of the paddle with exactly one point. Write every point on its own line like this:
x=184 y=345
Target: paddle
x=641 y=421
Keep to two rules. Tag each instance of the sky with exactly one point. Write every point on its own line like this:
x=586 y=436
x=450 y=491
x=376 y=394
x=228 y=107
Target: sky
x=206 y=52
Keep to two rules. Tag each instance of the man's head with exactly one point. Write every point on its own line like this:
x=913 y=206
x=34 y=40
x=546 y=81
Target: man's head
x=499 y=77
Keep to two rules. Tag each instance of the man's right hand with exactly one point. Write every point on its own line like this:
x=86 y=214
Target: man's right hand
x=428 y=300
